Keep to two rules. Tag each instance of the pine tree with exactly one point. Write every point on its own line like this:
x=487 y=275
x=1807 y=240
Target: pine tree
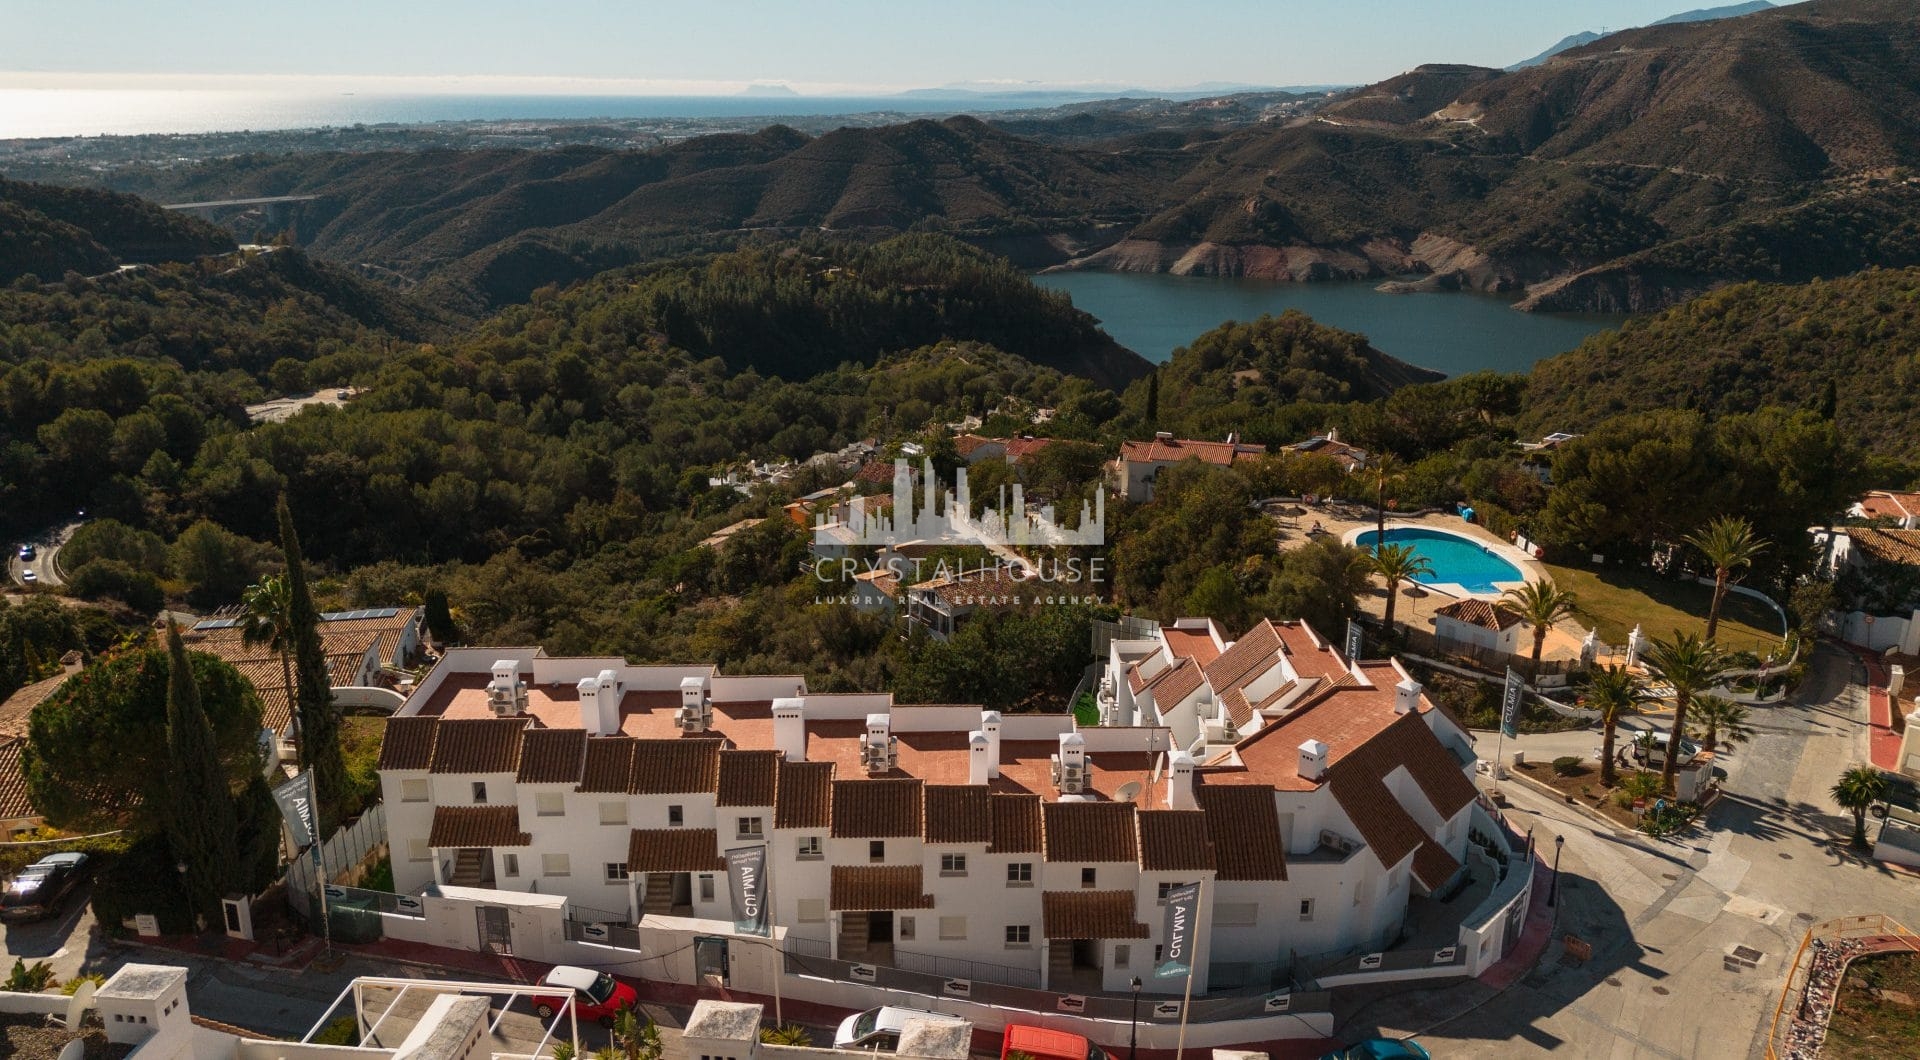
x=200 y=818
x=313 y=685
x=1153 y=399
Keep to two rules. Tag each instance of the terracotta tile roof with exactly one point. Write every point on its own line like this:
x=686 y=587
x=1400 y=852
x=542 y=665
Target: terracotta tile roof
x=18 y=708
x=478 y=745
x=609 y=764
x=552 y=756
x=1357 y=783
x=1193 y=644
x=1257 y=646
x=13 y=783
x=477 y=826
x=1090 y=915
x=1016 y=824
x=1245 y=826
x=857 y=888
x=1175 y=683
x=877 y=809
x=968 y=444
x=804 y=798
x=748 y=778
x=674 y=850
x=1239 y=711
x=1089 y=831
x=1175 y=450
x=883 y=579
x=958 y=813
x=992 y=587
x=408 y=743
x=1486 y=614
x=675 y=767
x=1890 y=504
x=875 y=471
x=1019 y=449
x=1888 y=546
x=1174 y=841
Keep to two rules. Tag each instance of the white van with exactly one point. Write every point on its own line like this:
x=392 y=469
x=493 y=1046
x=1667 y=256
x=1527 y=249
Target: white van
x=879 y=1028
x=1657 y=756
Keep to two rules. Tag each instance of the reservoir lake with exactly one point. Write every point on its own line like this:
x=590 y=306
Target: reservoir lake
x=1451 y=332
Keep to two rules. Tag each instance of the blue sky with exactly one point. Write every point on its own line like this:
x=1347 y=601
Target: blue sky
x=825 y=45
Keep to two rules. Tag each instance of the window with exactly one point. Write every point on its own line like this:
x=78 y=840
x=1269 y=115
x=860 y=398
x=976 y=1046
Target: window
x=953 y=864
x=550 y=804
x=1122 y=955
x=675 y=818
x=616 y=872
x=413 y=790
x=1306 y=909
x=877 y=850
x=1019 y=935
x=750 y=828
x=479 y=791
x=509 y=864
x=1159 y=952
x=1164 y=889
x=417 y=850
x=1019 y=873
x=555 y=865
x=813 y=910
x=953 y=927
x=1087 y=877
x=613 y=812
x=1236 y=914
x=906 y=927
x=706 y=888
x=809 y=848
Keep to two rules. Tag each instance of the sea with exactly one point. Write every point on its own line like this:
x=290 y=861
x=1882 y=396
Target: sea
x=32 y=113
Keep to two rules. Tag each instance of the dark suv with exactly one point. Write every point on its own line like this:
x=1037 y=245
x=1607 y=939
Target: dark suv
x=1902 y=801
x=41 y=887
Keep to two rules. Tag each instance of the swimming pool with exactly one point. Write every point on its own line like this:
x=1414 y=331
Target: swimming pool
x=1456 y=560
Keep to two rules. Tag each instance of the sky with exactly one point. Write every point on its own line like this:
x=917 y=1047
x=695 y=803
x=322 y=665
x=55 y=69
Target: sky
x=818 y=47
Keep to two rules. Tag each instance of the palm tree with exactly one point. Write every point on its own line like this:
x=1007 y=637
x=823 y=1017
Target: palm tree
x=1397 y=563
x=1730 y=545
x=1544 y=606
x=1858 y=789
x=1692 y=665
x=1615 y=692
x=1717 y=720
x=1383 y=469
x=267 y=621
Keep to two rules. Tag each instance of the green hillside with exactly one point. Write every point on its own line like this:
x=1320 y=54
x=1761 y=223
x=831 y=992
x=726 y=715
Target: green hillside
x=48 y=231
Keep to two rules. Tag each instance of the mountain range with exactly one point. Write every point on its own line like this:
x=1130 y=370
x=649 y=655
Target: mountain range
x=1584 y=37
x=1629 y=173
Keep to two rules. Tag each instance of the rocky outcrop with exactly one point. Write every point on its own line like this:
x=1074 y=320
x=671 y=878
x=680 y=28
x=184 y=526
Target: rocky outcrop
x=1613 y=289
x=1299 y=264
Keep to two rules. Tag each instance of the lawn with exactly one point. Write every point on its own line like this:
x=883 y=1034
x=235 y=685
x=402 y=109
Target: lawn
x=1878 y=1012
x=1613 y=601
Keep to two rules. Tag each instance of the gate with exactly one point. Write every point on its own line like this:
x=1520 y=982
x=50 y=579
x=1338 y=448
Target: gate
x=710 y=959
x=496 y=930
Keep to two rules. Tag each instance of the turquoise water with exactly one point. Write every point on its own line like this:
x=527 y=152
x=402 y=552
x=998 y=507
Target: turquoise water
x=1152 y=313
x=1456 y=560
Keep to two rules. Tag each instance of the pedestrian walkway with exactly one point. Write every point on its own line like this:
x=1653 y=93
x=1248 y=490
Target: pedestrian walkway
x=1883 y=744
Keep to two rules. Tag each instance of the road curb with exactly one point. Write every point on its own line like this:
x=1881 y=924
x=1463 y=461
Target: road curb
x=1560 y=797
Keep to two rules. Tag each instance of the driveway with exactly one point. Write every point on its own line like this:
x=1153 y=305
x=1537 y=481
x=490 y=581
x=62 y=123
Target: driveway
x=65 y=941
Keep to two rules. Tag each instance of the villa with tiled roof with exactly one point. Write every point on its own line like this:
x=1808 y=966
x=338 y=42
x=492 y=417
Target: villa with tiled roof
x=1191 y=679
x=357 y=644
x=1139 y=462
x=897 y=833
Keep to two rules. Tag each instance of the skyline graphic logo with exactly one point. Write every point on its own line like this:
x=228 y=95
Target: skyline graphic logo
x=945 y=517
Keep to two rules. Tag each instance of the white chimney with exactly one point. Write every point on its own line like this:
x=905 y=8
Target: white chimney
x=790 y=728
x=506 y=693
x=612 y=691
x=1070 y=765
x=1333 y=434
x=990 y=725
x=877 y=751
x=1180 y=782
x=1313 y=760
x=1406 y=697
x=979 y=754
x=695 y=714
x=590 y=706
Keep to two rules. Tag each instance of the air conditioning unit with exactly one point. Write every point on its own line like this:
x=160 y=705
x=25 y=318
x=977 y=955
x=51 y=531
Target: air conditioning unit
x=880 y=757
x=1070 y=779
x=1335 y=841
x=695 y=719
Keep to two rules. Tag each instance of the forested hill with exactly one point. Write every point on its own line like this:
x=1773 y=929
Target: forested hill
x=1752 y=345
x=48 y=231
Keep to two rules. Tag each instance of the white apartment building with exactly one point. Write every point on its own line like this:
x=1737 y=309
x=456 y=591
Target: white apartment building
x=899 y=832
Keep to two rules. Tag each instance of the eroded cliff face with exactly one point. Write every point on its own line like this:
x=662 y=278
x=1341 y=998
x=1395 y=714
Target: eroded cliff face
x=1299 y=264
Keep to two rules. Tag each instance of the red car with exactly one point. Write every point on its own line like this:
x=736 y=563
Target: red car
x=597 y=996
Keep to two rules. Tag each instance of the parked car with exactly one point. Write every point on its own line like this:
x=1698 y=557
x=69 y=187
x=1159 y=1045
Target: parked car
x=597 y=996
x=879 y=1028
x=1045 y=1044
x=1657 y=756
x=1381 y=1049
x=1901 y=802
x=41 y=887
x=28 y=577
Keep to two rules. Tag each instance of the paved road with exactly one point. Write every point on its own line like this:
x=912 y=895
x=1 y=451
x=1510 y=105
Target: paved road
x=1661 y=916
x=47 y=544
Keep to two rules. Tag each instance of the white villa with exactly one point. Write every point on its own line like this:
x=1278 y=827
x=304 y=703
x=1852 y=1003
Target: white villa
x=902 y=835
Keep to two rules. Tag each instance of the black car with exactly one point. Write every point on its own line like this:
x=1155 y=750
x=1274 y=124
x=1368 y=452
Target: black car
x=1902 y=798
x=41 y=887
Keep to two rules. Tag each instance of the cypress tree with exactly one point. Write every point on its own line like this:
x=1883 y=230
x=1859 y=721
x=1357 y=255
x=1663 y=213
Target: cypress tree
x=200 y=818
x=313 y=683
x=1153 y=399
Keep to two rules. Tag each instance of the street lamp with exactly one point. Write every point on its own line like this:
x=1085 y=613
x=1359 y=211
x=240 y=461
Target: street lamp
x=1133 y=1030
x=1553 y=891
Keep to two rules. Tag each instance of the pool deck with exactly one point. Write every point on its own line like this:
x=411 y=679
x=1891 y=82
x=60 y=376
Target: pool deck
x=1563 y=641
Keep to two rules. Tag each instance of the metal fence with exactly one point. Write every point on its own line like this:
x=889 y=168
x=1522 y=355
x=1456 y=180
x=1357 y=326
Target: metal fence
x=1127 y=628
x=960 y=968
x=622 y=936
x=347 y=847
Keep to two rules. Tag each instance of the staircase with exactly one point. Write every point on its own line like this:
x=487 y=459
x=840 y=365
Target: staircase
x=853 y=937
x=658 y=898
x=469 y=868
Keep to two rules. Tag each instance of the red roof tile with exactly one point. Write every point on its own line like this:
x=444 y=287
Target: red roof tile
x=1089 y=831
x=408 y=743
x=14 y=803
x=1175 y=450
x=674 y=850
x=1016 y=824
x=481 y=745
x=609 y=764
x=748 y=778
x=958 y=813
x=477 y=826
x=1175 y=841
x=1486 y=614
x=1245 y=826
x=551 y=756
x=1091 y=915
x=881 y=808
x=856 y=888
x=804 y=798
x=675 y=767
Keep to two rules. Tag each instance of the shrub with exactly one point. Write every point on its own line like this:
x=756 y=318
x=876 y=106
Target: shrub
x=787 y=1034
x=72 y=986
x=28 y=980
x=142 y=879
x=379 y=875
x=1567 y=765
x=342 y=1031
x=1642 y=784
x=112 y=579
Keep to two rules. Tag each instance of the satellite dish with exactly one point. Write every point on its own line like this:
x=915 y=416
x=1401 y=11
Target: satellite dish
x=1128 y=791
x=1159 y=766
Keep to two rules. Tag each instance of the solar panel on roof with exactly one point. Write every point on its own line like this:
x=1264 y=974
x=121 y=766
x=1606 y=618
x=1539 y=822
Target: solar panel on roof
x=349 y=616
x=218 y=623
